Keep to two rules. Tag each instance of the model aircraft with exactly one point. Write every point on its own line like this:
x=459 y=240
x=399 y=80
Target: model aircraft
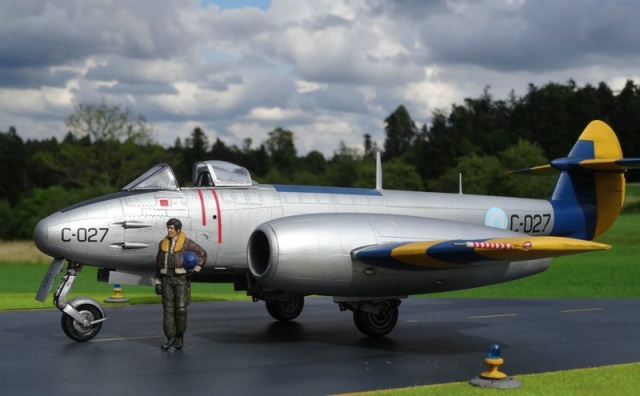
x=367 y=248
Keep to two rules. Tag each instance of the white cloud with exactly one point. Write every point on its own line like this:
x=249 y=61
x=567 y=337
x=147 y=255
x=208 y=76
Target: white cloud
x=329 y=71
x=270 y=114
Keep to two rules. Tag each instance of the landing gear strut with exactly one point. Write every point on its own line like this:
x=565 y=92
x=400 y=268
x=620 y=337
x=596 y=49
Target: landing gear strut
x=288 y=308
x=82 y=317
x=281 y=305
x=374 y=318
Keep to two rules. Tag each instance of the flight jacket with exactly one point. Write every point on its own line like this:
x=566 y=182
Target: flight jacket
x=183 y=245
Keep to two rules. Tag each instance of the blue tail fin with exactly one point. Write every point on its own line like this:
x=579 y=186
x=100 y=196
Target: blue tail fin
x=590 y=190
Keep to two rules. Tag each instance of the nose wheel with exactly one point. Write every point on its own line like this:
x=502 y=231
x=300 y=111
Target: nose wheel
x=82 y=317
x=85 y=330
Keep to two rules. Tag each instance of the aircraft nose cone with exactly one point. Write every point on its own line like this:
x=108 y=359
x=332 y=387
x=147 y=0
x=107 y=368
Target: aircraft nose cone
x=41 y=235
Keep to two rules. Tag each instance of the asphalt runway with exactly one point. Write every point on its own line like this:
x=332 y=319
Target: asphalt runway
x=235 y=348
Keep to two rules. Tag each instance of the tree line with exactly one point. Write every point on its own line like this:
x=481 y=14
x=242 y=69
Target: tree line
x=108 y=146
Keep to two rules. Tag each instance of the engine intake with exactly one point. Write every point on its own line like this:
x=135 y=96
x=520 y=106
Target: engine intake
x=261 y=250
x=308 y=253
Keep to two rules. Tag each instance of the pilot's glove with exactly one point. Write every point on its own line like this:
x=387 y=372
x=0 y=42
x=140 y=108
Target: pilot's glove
x=191 y=272
x=158 y=289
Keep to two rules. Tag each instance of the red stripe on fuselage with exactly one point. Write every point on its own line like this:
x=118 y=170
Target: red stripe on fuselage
x=219 y=218
x=202 y=208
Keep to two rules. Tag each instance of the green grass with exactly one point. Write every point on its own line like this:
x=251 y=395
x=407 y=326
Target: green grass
x=632 y=190
x=612 y=380
x=20 y=282
x=632 y=198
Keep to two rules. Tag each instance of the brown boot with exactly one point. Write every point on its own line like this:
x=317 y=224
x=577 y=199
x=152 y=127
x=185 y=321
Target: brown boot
x=178 y=343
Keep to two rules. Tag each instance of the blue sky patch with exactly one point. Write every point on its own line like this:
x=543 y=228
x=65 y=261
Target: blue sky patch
x=229 y=4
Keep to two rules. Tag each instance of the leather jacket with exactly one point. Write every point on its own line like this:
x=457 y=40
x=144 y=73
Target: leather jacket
x=183 y=245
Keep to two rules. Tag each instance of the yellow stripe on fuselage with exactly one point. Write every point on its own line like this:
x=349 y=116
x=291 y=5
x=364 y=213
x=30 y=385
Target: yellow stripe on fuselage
x=540 y=247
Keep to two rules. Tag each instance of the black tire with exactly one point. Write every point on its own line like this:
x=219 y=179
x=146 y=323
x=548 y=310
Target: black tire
x=377 y=325
x=285 y=310
x=75 y=330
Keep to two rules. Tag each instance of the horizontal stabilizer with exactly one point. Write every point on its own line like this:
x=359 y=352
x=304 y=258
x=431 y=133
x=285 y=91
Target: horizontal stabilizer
x=460 y=253
x=578 y=164
x=597 y=150
x=610 y=165
x=536 y=170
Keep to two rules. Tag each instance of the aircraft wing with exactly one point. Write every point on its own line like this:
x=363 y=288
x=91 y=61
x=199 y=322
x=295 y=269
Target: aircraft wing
x=443 y=254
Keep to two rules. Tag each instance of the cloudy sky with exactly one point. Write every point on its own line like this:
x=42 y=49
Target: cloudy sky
x=330 y=71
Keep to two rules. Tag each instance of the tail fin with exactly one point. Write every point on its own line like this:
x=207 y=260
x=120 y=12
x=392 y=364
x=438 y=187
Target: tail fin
x=590 y=190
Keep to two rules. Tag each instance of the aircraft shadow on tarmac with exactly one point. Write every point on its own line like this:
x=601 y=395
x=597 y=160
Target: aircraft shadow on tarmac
x=431 y=339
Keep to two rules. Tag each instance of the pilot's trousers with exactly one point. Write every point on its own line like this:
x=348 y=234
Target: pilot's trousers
x=175 y=299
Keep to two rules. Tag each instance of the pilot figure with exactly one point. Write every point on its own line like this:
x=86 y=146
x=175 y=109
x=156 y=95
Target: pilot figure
x=172 y=281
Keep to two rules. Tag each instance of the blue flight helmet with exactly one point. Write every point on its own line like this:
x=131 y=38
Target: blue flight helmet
x=189 y=261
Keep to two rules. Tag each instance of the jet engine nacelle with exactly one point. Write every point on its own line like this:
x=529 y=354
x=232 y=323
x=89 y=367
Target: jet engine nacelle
x=311 y=254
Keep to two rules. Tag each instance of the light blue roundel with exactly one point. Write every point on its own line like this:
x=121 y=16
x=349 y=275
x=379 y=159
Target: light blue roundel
x=496 y=218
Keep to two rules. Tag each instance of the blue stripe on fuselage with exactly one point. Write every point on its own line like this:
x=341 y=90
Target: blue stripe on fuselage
x=449 y=252
x=326 y=190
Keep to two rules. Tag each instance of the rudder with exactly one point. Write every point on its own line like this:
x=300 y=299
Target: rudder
x=590 y=191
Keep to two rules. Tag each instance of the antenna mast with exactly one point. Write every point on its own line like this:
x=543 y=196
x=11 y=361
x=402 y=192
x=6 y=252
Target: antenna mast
x=378 y=171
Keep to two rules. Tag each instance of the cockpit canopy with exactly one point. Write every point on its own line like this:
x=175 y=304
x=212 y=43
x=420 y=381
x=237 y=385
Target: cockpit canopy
x=205 y=174
x=160 y=177
x=220 y=174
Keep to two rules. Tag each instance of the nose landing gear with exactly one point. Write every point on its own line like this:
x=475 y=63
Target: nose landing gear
x=82 y=317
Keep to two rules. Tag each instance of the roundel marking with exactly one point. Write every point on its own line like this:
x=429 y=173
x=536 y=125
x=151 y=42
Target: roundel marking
x=497 y=218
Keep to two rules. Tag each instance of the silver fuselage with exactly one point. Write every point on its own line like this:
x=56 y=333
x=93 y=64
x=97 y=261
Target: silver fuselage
x=121 y=232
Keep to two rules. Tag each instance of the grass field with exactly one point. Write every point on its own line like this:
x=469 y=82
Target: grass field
x=611 y=273
x=20 y=282
x=622 y=380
